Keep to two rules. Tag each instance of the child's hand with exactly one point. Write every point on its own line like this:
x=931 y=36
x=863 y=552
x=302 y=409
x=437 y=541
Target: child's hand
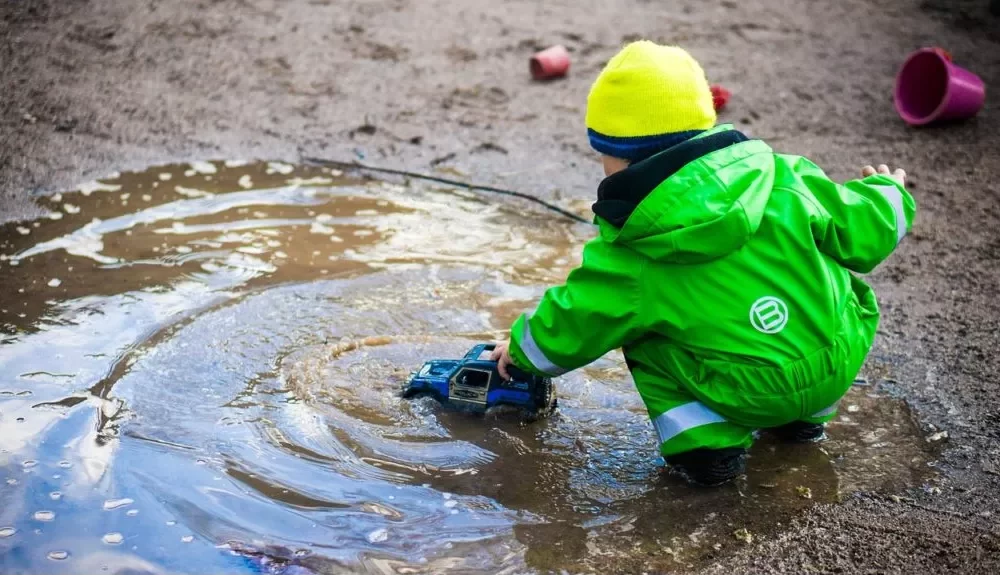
x=501 y=355
x=899 y=175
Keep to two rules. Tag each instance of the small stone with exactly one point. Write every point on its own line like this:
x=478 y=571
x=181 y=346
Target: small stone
x=113 y=538
x=58 y=555
x=187 y=539
x=935 y=437
x=853 y=409
x=804 y=492
x=55 y=282
x=7 y=532
x=55 y=495
x=743 y=535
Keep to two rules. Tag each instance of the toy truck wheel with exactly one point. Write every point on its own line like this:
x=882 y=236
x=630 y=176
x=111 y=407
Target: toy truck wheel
x=546 y=404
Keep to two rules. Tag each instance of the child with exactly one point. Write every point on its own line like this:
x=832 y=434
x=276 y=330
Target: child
x=725 y=271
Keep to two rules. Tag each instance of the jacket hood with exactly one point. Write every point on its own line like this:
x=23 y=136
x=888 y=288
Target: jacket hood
x=692 y=203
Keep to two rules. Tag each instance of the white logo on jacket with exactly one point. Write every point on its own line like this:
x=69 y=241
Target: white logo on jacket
x=768 y=315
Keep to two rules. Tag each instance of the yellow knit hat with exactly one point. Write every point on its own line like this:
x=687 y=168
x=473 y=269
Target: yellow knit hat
x=645 y=97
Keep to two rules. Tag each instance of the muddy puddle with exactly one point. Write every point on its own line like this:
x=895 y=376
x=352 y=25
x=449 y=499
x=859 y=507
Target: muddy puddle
x=200 y=369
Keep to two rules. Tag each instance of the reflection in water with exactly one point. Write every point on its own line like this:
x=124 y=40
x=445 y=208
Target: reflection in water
x=201 y=373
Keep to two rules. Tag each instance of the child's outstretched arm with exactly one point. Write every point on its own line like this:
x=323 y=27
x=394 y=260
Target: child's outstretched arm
x=860 y=222
x=594 y=312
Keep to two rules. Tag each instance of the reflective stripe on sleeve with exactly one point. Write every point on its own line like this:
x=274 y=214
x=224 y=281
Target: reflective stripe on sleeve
x=673 y=422
x=535 y=355
x=895 y=197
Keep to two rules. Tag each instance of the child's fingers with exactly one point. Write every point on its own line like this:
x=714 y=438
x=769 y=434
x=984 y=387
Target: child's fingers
x=900 y=176
x=502 y=368
x=883 y=169
x=867 y=171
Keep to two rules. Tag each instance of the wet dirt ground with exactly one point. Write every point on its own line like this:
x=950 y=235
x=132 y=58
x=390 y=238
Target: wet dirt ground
x=95 y=87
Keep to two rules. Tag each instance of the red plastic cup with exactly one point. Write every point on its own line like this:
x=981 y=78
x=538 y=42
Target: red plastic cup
x=550 y=63
x=720 y=97
x=930 y=88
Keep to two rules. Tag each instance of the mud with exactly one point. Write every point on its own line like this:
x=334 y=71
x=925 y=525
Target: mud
x=91 y=87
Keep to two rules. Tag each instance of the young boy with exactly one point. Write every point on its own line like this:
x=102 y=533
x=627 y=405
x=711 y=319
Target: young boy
x=725 y=271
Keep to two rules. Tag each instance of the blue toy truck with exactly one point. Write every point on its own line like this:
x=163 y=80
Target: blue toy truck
x=474 y=384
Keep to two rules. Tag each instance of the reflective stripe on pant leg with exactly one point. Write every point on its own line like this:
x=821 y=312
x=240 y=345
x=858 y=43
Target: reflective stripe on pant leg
x=826 y=412
x=682 y=418
x=824 y=415
x=685 y=422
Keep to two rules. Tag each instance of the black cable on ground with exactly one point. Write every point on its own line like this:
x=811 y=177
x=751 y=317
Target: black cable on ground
x=448 y=181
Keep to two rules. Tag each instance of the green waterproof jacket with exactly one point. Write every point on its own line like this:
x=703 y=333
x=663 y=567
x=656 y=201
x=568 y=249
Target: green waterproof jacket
x=724 y=270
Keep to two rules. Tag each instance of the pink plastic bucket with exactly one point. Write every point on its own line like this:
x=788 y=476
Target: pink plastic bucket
x=550 y=63
x=930 y=88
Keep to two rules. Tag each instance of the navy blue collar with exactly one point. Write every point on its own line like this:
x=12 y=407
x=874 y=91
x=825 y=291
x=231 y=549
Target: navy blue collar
x=620 y=194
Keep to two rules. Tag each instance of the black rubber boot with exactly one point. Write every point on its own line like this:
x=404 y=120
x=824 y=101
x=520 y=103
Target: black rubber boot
x=800 y=432
x=709 y=467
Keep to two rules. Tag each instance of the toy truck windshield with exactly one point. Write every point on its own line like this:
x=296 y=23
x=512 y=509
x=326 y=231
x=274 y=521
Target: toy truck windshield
x=437 y=368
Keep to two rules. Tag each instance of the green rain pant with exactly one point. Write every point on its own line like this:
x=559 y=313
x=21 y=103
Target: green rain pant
x=688 y=424
x=730 y=401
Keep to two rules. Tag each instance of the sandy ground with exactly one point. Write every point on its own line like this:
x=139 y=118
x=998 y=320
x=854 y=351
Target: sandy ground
x=96 y=86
